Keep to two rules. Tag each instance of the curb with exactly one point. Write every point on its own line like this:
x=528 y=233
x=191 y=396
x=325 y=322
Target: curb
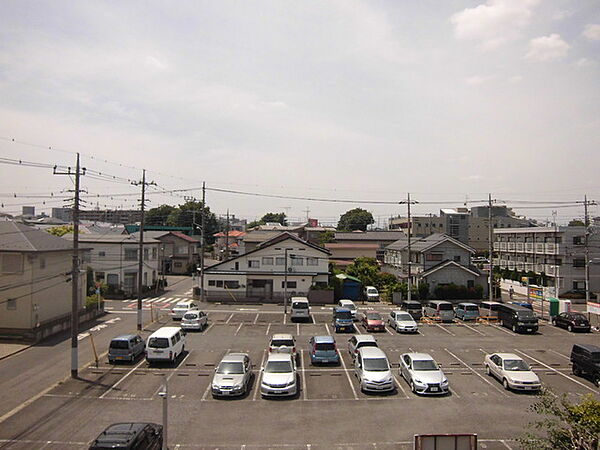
x=16 y=352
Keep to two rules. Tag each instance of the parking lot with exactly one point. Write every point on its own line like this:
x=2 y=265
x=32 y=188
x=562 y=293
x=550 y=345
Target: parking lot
x=330 y=411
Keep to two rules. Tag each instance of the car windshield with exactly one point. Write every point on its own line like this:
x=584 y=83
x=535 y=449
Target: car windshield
x=282 y=343
x=373 y=316
x=407 y=317
x=231 y=368
x=515 y=364
x=119 y=344
x=376 y=364
x=343 y=315
x=525 y=315
x=182 y=306
x=156 y=342
x=445 y=306
x=348 y=305
x=300 y=305
x=371 y=291
x=325 y=346
x=190 y=316
x=278 y=367
x=426 y=364
x=579 y=317
x=471 y=308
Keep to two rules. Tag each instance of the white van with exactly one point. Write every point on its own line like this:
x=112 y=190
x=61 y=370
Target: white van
x=300 y=308
x=371 y=294
x=165 y=345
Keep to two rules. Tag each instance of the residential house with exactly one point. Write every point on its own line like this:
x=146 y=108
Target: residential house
x=114 y=260
x=35 y=268
x=260 y=274
x=354 y=244
x=178 y=251
x=437 y=259
x=228 y=244
x=253 y=238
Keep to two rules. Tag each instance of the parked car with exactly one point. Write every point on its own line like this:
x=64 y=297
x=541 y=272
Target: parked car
x=279 y=376
x=511 y=371
x=439 y=309
x=373 y=370
x=413 y=307
x=371 y=294
x=342 y=319
x=323 y=350
x=194 y=320
x=517 y=318
x=165 y=345
x=355 y=343
x=372 y=321
x=423 y=374
x=130 y=436
x=523 y=304
x=181 y=308
x=572 y=321
x=402 y=321
x=126 y=347
x=232 y=376
x=488 y=310
x=466 y=311
x=349 y=304
x=300 y=309
x=283 y=343
x=586 y=361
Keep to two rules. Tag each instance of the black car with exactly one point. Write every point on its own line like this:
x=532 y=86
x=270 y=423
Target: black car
x=572 y=321
x=586 y=361
x=517 y=318
x=134 y=436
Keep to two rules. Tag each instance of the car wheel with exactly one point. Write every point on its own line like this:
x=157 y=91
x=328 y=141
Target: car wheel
x=570 y=328
x=514 y=328
x=554 y=322
x=505 y=384
x=488 y=371
x=412 y=386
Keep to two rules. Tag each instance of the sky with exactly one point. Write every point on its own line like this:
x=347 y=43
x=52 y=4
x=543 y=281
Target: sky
x=343 y=99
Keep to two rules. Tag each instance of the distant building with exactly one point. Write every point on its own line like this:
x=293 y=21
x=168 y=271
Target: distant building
x=228 y=244
x=116 y=216
x=178 y=252
x=353 y=244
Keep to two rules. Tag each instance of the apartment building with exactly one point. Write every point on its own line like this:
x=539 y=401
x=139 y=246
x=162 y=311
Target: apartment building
x=122 y=216
x=558 y=252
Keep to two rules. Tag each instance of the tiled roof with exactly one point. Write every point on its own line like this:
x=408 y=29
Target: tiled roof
x=22 y=238
x=369 y=236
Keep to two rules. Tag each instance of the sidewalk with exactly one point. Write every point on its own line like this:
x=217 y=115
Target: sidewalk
x=9 y=348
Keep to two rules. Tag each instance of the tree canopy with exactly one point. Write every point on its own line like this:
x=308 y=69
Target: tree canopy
x=61 y=230
x=269 y=218
x=188 y=214
x=355 y=219
x=576 y=223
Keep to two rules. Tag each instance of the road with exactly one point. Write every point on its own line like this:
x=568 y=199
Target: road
x=31 y=372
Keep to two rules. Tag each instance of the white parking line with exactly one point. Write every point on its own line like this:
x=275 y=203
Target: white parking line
x=238 y=329
x=560 y=373
x=327 y=329
x=297 y=329
x=284 y=318
x=348 y=376
x=560 y=354
x=123 y=379
x=258 y=377
x=303 y=375
x=357 y=328
x=256 y=318
x=443 y=328
x=268 y=329
x=477 y=373
x=501 y=328
x=209 y=327
x=181 y=364
x=400 y=387
x=229 y=318
x=474 y=329
x=388 y=330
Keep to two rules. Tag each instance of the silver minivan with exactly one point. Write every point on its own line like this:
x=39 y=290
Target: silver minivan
x=440 y=310
x=300 y=309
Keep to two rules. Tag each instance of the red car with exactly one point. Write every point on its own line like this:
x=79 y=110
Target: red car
x=372 y=321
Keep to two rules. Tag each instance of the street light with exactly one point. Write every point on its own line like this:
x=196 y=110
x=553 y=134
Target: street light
x=165 y=403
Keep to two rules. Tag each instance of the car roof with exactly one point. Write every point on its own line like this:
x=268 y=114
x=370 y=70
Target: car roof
x=282 y=336
x=121 y=433
x=467 y=304
x=234 y=357
x=371 y=352
x=588 y=347
x=341 y=309
x=324 y=339
x=299 y=299
x=165 y=332
x=124 y=337
x=420 y=356
x=184 y=301
x=508 y=356
x=365 y=338
x=372 y=312
x=279 y=357
x=346 y=301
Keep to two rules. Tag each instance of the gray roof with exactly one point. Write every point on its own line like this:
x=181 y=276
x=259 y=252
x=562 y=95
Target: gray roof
x=260 y=236
x=369 y=235
x=110 y=238
x=18 y=237
x=420 y=244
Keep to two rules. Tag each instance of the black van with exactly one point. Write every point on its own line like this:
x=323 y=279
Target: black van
x=132 y=436
x=586 y=361
x=413 y=308
x=517 y=318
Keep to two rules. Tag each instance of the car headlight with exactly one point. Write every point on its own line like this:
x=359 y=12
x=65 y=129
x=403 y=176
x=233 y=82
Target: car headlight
x=445 y=381
x=416 y=380
x=291 y=383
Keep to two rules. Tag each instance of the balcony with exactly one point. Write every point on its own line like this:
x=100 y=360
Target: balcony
x=552 y=270
x=503 y=246
x=503 y=263
x=539 y=268
x=520 y=246
x=511 y=246
x=511 y=265
x=496 y=261
x=529 y=247
x=496 y=246
x=539 y=247
x=520 y=266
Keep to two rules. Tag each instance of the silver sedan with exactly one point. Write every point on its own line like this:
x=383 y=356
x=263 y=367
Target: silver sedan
x=232 y=376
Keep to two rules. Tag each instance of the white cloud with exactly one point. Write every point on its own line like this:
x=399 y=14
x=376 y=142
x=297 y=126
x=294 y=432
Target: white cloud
x=592 y=31
x=493 y=23
x=547 y=48
x=584 y=62
x=477 y=80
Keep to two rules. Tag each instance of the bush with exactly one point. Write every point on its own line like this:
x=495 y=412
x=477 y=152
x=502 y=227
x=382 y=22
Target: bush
x=455 y=292
x=92 y=300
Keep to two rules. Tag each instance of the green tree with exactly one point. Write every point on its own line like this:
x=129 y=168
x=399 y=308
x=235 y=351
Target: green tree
x=326 y=237
x=190 y=215
x=61 y=230
x=563 y=425
x=576 y=223
x=355 y=219
x=270 y=217
x=159 y=215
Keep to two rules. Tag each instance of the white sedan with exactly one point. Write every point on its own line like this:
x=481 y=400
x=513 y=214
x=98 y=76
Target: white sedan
x=512 y=371
x=401 y=321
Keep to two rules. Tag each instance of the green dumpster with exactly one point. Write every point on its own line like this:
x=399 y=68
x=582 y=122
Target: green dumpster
x=554 y=306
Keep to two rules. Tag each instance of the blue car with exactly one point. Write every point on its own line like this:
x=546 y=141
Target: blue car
x=342 y=320
x=467 y=311
x=523 y=304
x=323 y=350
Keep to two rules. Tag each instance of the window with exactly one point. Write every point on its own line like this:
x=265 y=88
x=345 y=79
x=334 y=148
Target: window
x=434 y=256
x=100 y=276
x=558 y=261
x=578 y=240
x=232 y=284
x=11 y=304
x=146 y=253
x=310 y=261
x=154 y=253
x=267 y=261
x=578 y=285
x=280 y=261
x=297 y=261
x=578 y=262
x=211 y=282
x=237 y=266
x=130 y=254
x=101 y=254
x=457 y=258
x=12 y=263
x=470 y=283
x=220 y=283
x=178 y=265
x=253 y=263
x=290 y=284
x=42 y=263
x=112 y=279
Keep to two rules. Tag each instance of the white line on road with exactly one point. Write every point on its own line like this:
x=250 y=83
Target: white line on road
x=268 y=329
x=238 y=329
x=327 y=329
x=388 y=330
x=400 y=386
x=122 y=379
x=501 y=328
x=284 y=318
x=348 y=376
x=474 y=329
x=560 y=373
x=443 y=328
x=256 y=318
x=258 y=377
x=181 y=364
x=229 y=318
x=561 y=355
x=476 y=373
x=303 y=375
x=297 y=329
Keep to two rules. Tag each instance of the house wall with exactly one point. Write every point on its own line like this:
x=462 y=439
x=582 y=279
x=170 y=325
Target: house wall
x=352 y=252
x=453 y=274
x=448 y=251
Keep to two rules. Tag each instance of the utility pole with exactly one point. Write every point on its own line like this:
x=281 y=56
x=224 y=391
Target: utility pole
x=556 y=272
x=75 y=269
x=408 y=203
x=140 y=280
x=227 y=237
x=587 y=203
x=490 y=250
x=202 y=295
x=285 y=282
